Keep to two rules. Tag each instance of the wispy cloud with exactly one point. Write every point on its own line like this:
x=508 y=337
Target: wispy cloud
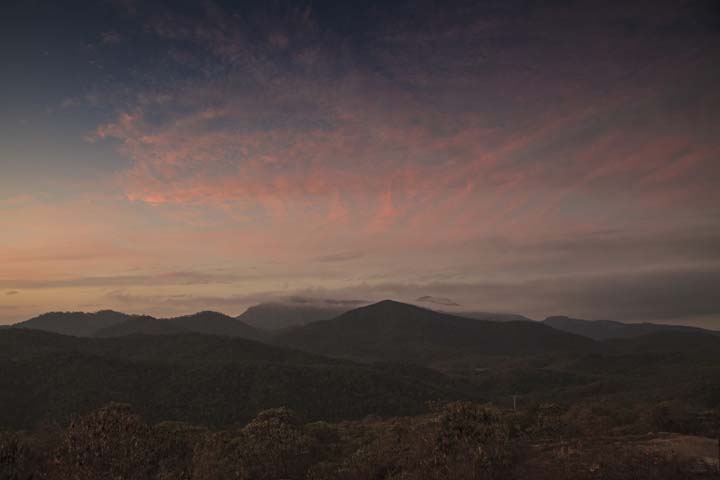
x=437 y=301
x=294 y=140
x=164 y=278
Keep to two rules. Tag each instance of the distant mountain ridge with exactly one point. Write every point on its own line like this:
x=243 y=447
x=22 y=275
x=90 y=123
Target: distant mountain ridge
x=297 y=324
x=609 y=329
x=394 y=331
x=491 y=316
x=78 y=324
x=694 y=342
x=108 y=323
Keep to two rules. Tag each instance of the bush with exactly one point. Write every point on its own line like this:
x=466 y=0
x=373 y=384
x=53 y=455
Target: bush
x=272 y=446
x=472 y=441
x=109 y=443
x=549 y=420
x=672 y=416
x=462 y=441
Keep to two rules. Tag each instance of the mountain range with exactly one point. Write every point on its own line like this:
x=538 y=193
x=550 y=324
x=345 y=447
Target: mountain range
x=608 y=329
x=336 y=329
x=79 y=324
x=107 y=323
x=385 y=358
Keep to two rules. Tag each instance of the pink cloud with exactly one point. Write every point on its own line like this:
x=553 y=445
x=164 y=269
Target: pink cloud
x=360 y=149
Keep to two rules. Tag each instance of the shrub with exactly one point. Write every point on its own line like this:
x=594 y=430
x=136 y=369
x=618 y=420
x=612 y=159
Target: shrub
x=272 y=446
x=549 y=420
x=471 y=441
x=111 y=442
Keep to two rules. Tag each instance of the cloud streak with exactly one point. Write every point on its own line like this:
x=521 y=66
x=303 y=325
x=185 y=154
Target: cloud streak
x=280 y=139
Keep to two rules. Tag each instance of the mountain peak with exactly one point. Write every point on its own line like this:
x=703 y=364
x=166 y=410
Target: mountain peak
x=395 y=331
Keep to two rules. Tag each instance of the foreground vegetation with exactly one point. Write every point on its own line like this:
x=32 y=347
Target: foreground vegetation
x=459 y=440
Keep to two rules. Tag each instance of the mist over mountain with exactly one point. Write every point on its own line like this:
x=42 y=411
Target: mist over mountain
x=277 y=315
x=437 y=301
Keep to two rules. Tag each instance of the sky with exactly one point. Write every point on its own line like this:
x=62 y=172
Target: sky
x=539 y=158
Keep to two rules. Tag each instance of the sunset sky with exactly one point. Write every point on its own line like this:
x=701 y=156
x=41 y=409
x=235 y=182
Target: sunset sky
x=540 y=158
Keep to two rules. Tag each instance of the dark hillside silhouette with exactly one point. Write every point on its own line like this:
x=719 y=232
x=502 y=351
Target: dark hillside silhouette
x=396 y=331
x=490 y=316
x=48 y=377
x=608 y=329
x=79 y=324
x=699 y=342
x=140 y=326
x=108 y=323
x=214 y=323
